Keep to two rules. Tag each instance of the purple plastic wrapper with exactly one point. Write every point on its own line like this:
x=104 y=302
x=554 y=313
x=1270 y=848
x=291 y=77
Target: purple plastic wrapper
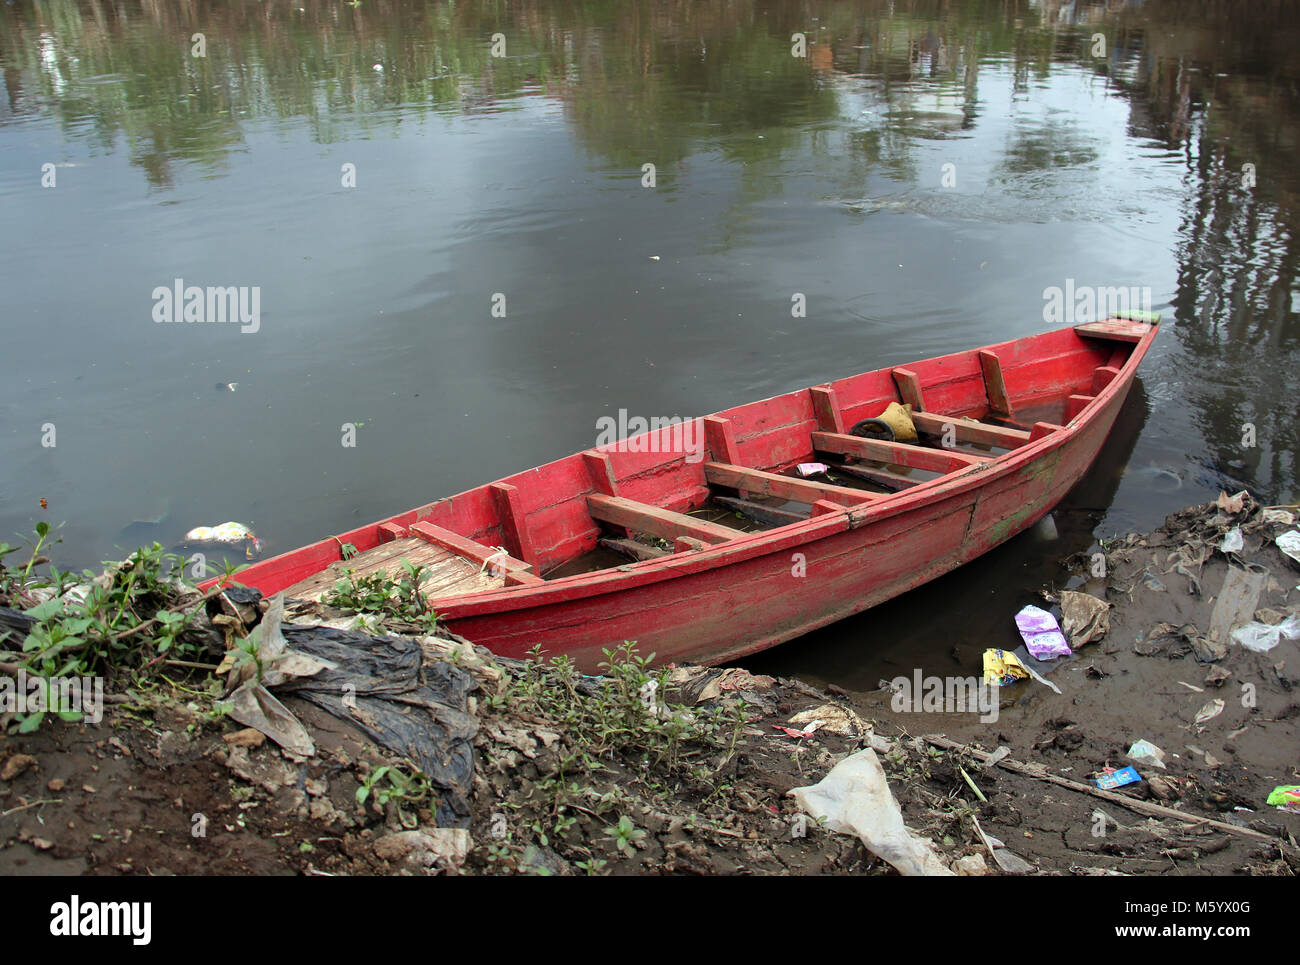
x=1042 y=636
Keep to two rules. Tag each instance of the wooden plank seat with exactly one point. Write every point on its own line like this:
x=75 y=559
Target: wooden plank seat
x=896 y=453
x=663 y=523
x=967 y=430
x=784 y=487
x=1115 y=329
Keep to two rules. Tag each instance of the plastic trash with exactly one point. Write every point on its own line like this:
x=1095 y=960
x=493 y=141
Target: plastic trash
x=225 y=534
x=1042 y=636
x=1145 y=752
x=1113 y=779
x=1285 y=797
x=812 y=468
x=1289 y=543
x=1002 y=668
x=1237 y=601
x=1210 y=711
x=854 y=798
x=385 y=686
x=1261 y=638
x=1008 y=861
x=1232 y=504
x=1233 y=541
x=247 y=698
x=1084 y=617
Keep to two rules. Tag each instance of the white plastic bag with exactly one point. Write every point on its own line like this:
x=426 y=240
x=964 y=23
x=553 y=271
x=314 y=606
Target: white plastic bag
x=854 y=798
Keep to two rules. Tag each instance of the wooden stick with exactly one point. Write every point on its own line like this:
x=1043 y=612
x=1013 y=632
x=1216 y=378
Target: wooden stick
x=1141 y=807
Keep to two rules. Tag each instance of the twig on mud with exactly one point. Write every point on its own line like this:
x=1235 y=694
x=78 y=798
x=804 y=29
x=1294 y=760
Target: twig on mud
x=24 y=807
x=1133 y=804
x=971 y=784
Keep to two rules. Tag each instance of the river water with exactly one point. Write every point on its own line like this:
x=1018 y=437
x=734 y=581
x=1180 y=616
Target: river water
x=378 y=176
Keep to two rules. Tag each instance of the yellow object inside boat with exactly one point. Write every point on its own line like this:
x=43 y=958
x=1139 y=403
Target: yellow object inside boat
x=899 y=418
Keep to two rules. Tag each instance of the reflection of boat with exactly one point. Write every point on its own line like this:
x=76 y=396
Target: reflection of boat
x=1006 y=431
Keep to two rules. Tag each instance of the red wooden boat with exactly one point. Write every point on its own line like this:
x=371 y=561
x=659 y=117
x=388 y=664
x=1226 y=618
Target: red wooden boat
x=730 y=550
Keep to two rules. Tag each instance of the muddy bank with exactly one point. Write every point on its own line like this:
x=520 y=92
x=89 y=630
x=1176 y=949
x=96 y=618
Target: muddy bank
x=668 y=771
x=1167 y=659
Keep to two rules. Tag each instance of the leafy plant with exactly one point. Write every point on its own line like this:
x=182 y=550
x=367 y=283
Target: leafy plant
x=123 y=620
x=625 y=836
x=392 y=783
x=379 y=593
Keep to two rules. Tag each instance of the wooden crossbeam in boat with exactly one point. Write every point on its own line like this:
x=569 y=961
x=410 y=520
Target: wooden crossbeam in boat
x=1115 y=329
x=909 y=388
x=1102 y=376
x=1076 y=404
x=827 y=408
x=687 y=544
x=783 y=487
x=515 y=571
x=514 y=522
x=664 y=523
x=1042 y=430
x=769 y=515
x=824 y=506
x=896 y=453
x=995 y=387
x=969 y=430
x=600 y=468
x=638 y=551
x=720 y=439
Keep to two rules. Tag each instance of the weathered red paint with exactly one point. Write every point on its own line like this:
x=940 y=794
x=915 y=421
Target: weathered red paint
x=715 y=600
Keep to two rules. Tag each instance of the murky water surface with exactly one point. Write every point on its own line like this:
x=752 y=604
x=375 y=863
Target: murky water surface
x=922 y=175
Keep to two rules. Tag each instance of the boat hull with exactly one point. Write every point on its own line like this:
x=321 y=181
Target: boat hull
x=741 y=606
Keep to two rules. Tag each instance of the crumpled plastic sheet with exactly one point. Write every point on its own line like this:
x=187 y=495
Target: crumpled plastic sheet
x=854 y=798
x=1084 y=617
x=1237 y=601
x=1262 y=638
x=383 y=686
x=1289 y=543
